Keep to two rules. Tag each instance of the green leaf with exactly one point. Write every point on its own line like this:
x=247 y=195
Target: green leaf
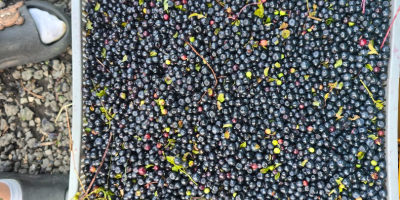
x=329 y=21
x=195 y=151
x=268 y=20
x=199 y=16
x=238 y=33
x=351 y=23
x=198 y=66
x=171 y=159
x=266 y=71
x=360 y=155
x=315 y=103
x=306 y=77
x=373 y=137
x=101 y=93
x=278 y=82
x=243 y=145
x=103 y=53
x=89 y=25
x=175 y=168
x=148 y=166
x=118 y=176
x=125 y=58
x=236 y=23
x=264 y=170
x=277 y=65
x=165 y=3
x=248 y=74
x=97 y=7
x=180 y=7
x=331 y=192
x=217 y=31
x=260 y=11
x=234 y=194
x=176 y=35
x=372 y=49
x=88 y=130
x=280 y=75
x=338 y=63
x=192 y=39
x=277 y=175
x=339 y=86
x=285 y=33
x=227 y=126
x=282 y=13
x=368 y=66
x=221 y=97
x=304 y=163
x=141 y=2
x=153 y=53
x=155 y=193
x=168 y=80
x=124 y=24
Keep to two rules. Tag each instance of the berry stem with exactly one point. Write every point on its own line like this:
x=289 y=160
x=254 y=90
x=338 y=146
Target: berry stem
x=237 y=15
x=390 y=27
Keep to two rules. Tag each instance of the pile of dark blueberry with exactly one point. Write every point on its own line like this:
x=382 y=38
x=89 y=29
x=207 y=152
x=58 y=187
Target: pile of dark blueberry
x=235 y=99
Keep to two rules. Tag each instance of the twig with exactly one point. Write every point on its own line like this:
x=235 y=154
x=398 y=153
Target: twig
x=98 y=169
x=219 y=3
x=309 y=14
x=202 y=97
x=70 y=149
x=46 y=143
x=237 y=15
x=102 y=65
x=62 y=108
x=390 y=27
x=5 y=130
x=363 y=2
x=33 y=94
x=148 y=184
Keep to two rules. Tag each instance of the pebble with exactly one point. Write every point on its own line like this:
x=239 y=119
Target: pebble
x=16 y=74
x=37 y=90
x=38 y=75
x=3 y=124
x=28 y=136
x=65 y=87
x=2 y=4
x=32 y=168
x=26 y=114
x=47 y=126
x=48 y=152
x=57 y=163
x=3 y=97
x=38 y=102
x=37 y=120
x=49 y=26
x=31 y=99
x=32 y=143
x=11 y=110
x=31 y=123
x=27 y=74
x=23 y=101
x=58 y=72
x=6 y=166
x=54 y=106
x=13 y=126
x=24 y=124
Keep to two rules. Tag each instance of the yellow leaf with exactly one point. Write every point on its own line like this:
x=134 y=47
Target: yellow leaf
x=326 y=96
x=285 y=33
x=283 y=25
x=199 y=16
x=372 y=49
x=354 y=118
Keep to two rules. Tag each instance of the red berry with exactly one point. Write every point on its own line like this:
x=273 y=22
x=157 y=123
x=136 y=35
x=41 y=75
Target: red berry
x=263 y=43
x=211 y=22
x=200 y=109
x=378 y=141
x=305 y=183
x=254 y=166
x=159 y=145
x=332 y=129
x=142 y=171
x=156 y=167
x=202 y=187
x=147 y=147
x=363 y=42
x=301 y=106
x=381 y=133
x=147 y=136
x=377 y=69
x=280 y=141
x=183 y=57
x=184 y=1
x=295 y=152
x=165 y=134
x=92 y=169
x=310 y=128
x=166 y=17
x=234 y=121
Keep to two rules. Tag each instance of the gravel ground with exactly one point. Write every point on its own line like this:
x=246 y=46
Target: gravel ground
x=30 y=139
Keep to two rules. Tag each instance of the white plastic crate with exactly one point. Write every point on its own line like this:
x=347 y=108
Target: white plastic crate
x=392 y=96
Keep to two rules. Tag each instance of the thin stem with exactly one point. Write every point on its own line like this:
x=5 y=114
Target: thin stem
x=102 y=65
x=237 y=15
x=98 y=169
x=390 y=27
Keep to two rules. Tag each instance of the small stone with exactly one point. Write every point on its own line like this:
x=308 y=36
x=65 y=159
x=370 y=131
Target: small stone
x=27 y=74
x=37 y=120
x=32 y=143
x=31 y=157
x=26 y=114
x=11 y=110
x=3 y=97
x=3 y=124
x=31 y=123
x=23 y=100
x=37 y=90
x=33 y=168
x=38 y=102
x=47 y=126
x=28 y=135
x=58 y=72
x=54 y=106
x=2 y=4
x=6 y=166
x=50 y=27
x=24 y=124
x=31 y=99
x=57 y=163
x=38 y=74
x=65 y=87
x=46 y=73
x=48 y=152
x=16 y=74
x=39 y=155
